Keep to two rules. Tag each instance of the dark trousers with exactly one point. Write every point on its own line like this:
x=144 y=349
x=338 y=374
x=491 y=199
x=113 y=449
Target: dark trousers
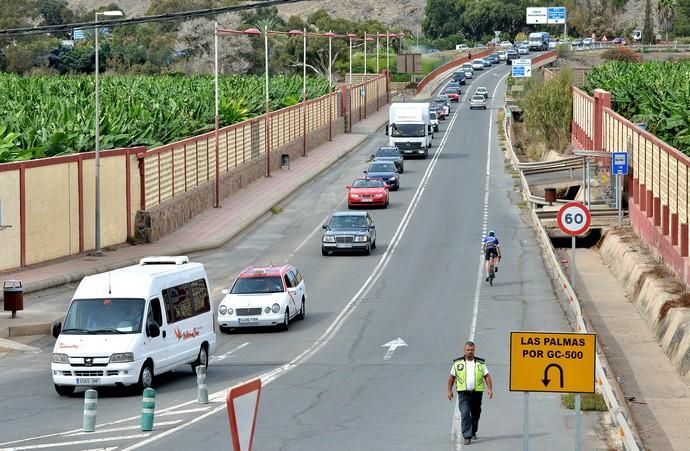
x=470 y=405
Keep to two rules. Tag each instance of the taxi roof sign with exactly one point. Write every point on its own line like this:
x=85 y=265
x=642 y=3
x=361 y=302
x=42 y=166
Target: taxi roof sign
x=552 y=362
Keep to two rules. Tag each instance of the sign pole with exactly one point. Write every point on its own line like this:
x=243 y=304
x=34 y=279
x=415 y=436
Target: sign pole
x=525 y=427
x=619 y=195
x=578 y=419
x=572 y=263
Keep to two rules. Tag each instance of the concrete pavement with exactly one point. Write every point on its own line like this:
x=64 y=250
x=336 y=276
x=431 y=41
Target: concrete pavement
x=209 y=230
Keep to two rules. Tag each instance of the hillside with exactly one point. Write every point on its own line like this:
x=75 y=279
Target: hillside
x=394 y=12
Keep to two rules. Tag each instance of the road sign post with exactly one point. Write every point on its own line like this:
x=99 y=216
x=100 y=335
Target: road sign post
x=552 y=362
x=619 y=165
x=573 y=219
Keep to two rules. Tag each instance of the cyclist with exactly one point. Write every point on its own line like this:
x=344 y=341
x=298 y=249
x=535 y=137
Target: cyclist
x=492 y=252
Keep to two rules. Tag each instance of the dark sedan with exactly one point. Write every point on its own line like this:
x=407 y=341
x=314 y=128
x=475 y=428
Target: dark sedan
x=386 y=171
x=390 y=153
x=349 y=231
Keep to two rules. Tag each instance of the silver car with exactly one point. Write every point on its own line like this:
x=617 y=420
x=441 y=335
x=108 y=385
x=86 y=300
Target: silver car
x=349 y=231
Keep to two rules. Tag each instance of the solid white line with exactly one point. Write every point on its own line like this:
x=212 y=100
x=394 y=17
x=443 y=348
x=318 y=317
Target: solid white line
x=124 y=428
x=182 y=412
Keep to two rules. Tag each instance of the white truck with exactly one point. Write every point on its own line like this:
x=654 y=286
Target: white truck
x=409 y=128
x=539 y=41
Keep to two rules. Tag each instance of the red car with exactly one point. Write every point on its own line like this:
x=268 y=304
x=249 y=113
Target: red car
x=453 y=94
x=367 y=192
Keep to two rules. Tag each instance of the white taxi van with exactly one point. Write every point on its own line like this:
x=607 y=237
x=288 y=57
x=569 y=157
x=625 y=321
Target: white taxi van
x=123 y=327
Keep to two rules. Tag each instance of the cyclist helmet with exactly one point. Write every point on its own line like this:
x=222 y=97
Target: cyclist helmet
x=492 y=233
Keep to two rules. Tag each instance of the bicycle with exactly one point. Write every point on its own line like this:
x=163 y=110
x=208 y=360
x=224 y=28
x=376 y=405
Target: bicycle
x=493 y=269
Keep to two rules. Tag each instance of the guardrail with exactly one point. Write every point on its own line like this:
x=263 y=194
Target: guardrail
x=618 y=412
x=451 y=65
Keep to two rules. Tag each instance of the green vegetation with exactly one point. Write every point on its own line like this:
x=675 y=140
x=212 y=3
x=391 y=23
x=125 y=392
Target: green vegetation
x=656 y=93
x=548 y=109
x=47 y=116
x=588 y=402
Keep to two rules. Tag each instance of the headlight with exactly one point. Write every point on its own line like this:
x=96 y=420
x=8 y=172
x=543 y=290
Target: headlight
x=275 y=308
x=60 y=358
x=378 y=195
x=122 y=357
x=267 y=310
x=355 y=196
x=360 y=238
x=329 y=239
x=222 y=310
x=230 y=311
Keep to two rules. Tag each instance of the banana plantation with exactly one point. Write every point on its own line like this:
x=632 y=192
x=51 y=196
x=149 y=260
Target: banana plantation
x=656 y=93
x=45 y=116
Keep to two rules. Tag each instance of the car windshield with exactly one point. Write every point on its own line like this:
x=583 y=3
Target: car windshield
x=259 y=284
x=388 y=153
x=382 y=167
x=104 y=316
x=478 y=98
x=408 y=130
x=348 y=222
x=368 y=183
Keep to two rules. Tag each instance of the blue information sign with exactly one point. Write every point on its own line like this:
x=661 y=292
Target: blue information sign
x=619 y=163
x=555 y=15
x=518 y=71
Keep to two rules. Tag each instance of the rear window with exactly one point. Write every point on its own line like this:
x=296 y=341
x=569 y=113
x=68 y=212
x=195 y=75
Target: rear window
x=387 y=153
x=261 y=284
x=369 y=183
x=382 y=167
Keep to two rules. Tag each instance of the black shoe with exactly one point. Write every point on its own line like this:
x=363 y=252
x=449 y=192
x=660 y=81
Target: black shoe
x=468 y=441
x=487 y=278
x=495 y=268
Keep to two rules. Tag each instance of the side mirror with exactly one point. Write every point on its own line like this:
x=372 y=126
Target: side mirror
x=348 y=187
x=372 y=226
x=56 y=328
x=386 y=187
x=152 y=330
x=324 y=226
x=365 y=172
x=397 y=169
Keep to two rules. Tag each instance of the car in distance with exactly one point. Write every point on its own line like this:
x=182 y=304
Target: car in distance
x=452 y=93
x=390 y=153
x=367 y=192
x=433 y=119
x=349 y=231
x=523 y=50
x=468 y=74
x=502 y=55
x=439 y=110
x=511 y=55
x=506 y=45
x=443 y=102
x=467 y=67
x=478 y=101
x=619 y=41
x=458 y=76
x=493 y=58
x=386 y=171
x=482 y=91
x=486 y=62
x=587 y=42
x=478 y=64
x=263 y=296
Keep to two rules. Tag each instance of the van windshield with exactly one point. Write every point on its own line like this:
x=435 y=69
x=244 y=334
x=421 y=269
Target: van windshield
x=408 y=130
x=104 y=316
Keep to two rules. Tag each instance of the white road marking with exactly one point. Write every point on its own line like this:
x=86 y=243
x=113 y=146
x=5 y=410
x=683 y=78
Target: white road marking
x=76 y=442
x=307 y=239
x=182 y=412
x=123 y=428
x=219 y=358
x=392 y=346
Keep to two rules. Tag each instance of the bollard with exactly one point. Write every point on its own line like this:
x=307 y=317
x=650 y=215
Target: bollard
x=148 y=405
x=90 y=409
x=202 y=396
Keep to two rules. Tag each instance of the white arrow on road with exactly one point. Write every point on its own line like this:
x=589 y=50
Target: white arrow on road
x=392 y=346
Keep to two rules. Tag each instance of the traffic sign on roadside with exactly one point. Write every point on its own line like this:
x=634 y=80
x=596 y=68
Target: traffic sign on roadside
x=619 y=161
x=242 y=402
x=574 y=218
x=521 y=68
x=555 y=15
x=536 y=15
x=552 y=362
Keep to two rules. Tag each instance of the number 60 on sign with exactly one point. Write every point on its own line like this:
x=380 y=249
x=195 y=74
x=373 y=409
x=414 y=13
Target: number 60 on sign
x=574 y=218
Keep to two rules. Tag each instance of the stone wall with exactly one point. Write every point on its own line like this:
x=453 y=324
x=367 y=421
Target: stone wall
x=161 y=220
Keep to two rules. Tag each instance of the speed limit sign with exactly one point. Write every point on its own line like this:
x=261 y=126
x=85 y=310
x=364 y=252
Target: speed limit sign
x=574 y=218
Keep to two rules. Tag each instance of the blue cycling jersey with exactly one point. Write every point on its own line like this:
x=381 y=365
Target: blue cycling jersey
x=490 y=241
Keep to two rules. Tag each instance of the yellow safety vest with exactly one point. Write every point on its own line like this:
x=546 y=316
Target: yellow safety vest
x=461 y=374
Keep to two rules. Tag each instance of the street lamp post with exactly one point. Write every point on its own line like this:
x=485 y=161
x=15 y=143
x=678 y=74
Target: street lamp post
x=365 y=54
x=330 y=36
x=216 y=118
x=349 y=76
x=377 y=51
x=97 y=244
x=303 y=32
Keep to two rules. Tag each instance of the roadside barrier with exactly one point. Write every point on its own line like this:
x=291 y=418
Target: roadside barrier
x=616 y=410
x=148 y=406
x=202 y=391
x=90 y=410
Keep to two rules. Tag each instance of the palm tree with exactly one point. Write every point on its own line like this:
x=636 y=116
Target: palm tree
x=666 y=11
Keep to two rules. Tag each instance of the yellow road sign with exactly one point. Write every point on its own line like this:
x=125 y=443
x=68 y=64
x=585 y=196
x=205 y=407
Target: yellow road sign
x=552 y=362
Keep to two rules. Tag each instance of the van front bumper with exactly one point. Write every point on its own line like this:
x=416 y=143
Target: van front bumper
x=96 y=376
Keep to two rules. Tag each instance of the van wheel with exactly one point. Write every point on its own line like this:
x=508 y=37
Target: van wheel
x=64 y=390
x=286 y=320
x=201 y=359
x=145 y=377
x=302 y=311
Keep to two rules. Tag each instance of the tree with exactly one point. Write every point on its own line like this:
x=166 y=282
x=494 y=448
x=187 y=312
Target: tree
x=436 y=13
x=29 y=53
x=648 y=36
x=666 y=10
x=681 y=24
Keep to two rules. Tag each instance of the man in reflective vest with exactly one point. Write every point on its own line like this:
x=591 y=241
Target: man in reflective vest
x=471 y=377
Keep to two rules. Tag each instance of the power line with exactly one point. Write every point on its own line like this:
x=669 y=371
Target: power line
x=12 y=32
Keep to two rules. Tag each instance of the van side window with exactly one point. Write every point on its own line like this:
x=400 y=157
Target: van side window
x=155 y=313
x=186 y=300
x=200 y=296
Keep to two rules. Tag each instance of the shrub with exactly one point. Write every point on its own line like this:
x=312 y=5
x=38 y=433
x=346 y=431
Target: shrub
x=620 y=53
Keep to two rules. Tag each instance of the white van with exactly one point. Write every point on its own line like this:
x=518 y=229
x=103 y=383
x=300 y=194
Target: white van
x=123 y=327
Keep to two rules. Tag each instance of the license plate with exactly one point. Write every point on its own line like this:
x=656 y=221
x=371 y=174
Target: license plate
x=248 y=320
x=88 y=380
x=366 y=200
x=409 y=151
x=345 y=245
